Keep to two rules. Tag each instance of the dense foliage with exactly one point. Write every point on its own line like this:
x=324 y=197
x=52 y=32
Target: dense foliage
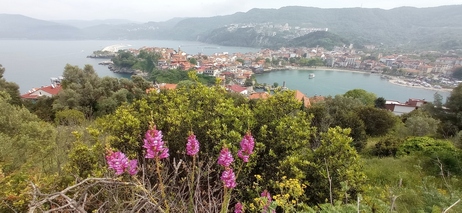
x=144 y=60
x=335 y=156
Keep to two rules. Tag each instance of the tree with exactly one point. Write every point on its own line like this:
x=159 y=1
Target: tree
x=28 y=151
x=69 y=117
x=248 y=82
x=457 y=73
x=421 y=123
x=275 y=84
x=240 y=60
x=387 y=146
x=83 y=90
x=339 y=111
x=192 y=61
x=380 y=103
x=367 y=98
x=11 y=88
x=334 y=164
x=377 y=121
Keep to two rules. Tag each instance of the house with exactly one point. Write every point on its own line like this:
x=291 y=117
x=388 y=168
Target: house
x=162 y=86
x=44 y=91
x=237 y=89
x=302 y=98
x=401 y=108
x=259 y=95
x=316 y=99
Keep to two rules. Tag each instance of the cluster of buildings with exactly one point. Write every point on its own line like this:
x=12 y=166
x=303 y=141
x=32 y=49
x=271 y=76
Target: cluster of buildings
x=236 y=69
x=272 y=29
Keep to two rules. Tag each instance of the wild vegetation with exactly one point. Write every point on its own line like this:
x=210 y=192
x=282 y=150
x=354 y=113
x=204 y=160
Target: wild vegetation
x=104 y=144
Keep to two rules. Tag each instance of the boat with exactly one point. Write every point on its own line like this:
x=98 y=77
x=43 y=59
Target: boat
x=311 y=75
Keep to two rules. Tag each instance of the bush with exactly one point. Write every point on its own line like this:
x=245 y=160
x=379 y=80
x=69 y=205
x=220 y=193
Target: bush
x=424 y=145
x=387 y=146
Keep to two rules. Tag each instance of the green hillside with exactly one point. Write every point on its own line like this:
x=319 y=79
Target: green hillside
x=405 y=27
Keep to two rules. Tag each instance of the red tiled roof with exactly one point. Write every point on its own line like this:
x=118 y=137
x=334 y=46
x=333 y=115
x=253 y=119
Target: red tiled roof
x=236 y=88
x=301 y=97
x=316 y=98
x=259 y=95
x=36 y=93
x=167 y=86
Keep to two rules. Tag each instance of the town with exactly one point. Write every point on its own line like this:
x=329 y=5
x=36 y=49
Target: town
x=430 y=69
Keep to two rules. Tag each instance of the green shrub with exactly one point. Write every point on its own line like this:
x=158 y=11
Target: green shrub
x=424 y=145
x=387 y=146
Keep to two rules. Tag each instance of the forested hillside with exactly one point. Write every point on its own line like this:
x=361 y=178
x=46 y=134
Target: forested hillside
x=104 y=144
x=404 y=27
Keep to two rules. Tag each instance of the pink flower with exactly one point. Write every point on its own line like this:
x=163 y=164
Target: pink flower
x=132 y=167
x=247 y=145
x=225 y=159
x=154 y=144
x=117 y=161
x=267 y=195
x=120 y=163
x=228 y=178
x=192 y=147
x=238 y=208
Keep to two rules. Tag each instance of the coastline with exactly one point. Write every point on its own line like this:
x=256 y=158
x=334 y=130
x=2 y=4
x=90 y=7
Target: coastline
x=391 y=79
x=396 y=81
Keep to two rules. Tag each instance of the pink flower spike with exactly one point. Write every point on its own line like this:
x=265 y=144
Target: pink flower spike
x=117 y=161
x=238 y=208
x=192 y=147
x=266 y=194
x=154 y=144
x=225 y=159
x=228 y=178
x=133 y=167
x=247 y=145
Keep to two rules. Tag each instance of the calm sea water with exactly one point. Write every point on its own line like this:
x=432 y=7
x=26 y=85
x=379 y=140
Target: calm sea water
x=31 y=63
x=338 y=82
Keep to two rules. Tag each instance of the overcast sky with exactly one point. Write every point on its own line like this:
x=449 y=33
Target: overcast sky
x=161 y=10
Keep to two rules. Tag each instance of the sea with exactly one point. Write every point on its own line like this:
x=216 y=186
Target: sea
x=331 y=83
x=32 y=63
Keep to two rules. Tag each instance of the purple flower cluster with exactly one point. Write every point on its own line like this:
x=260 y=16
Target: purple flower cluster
x=228 y=178
x=238 y=208
x=247 y=145
x=192 y=147
x=154 y=144
x=225 y=159
x=120 y=163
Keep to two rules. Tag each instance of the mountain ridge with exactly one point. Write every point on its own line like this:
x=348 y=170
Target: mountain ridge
x=404 y=27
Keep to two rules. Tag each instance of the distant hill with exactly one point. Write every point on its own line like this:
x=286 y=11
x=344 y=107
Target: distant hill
x=405 y=27
x=89 y=23
x=22 y=27
x=324 y=39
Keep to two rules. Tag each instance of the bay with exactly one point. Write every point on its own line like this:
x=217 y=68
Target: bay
x=31 y=63
x=331 y=83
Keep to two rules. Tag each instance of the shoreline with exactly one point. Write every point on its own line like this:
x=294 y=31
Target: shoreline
x=395 y=82
x=391 y=79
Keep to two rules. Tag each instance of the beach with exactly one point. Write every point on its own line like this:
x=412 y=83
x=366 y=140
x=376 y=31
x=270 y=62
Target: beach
x=397 y=81
x=392 y=79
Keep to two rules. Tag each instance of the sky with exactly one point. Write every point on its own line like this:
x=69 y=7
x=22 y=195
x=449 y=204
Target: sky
x=158 y=10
